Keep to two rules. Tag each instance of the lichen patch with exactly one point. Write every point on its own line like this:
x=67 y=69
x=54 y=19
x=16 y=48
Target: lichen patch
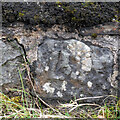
x=59 y=94
x=48 y=88
x=63 y=87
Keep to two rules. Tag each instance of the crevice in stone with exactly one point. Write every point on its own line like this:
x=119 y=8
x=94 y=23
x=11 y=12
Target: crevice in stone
x=21 y=45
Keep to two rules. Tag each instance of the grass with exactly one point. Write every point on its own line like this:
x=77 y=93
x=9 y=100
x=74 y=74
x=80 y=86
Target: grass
x=29 y=107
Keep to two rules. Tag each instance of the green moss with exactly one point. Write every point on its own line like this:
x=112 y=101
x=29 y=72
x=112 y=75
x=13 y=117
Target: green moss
x=73 y=18
x=21 y=14
x=94 y=35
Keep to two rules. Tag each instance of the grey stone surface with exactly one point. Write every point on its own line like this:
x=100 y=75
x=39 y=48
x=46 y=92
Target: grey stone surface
x=71 y=68
x=63 y=64
x=10 y=61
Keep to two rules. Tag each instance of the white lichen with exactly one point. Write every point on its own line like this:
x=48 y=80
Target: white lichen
x=59 y=94
x=63 y=87
x=46 y=68
x=81 y=95
x=81 y=53
x=48 y=88
x=89 y=84
x=77 y=72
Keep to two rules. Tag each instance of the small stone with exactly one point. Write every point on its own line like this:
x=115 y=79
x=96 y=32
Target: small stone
x=103 y=86
x=79 y=53
x=81 y=78
x=71 y=93
x=87 y=55
x=86 y=68
x=113 y=19
x=70 y=46
x=55 y=45
x=73 y=88
x=89 y=84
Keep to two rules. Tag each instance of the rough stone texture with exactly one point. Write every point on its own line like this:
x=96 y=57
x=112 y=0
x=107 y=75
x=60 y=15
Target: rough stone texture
x=63 y=64
x=72 y=68
x=74 y=15
x=118 y=77
x=11 y=60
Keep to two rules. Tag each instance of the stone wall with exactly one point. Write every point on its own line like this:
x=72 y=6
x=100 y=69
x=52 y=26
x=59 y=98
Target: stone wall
x=64 y=64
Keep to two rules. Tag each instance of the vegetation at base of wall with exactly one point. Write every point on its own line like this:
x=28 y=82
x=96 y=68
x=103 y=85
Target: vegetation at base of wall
x=25 y=106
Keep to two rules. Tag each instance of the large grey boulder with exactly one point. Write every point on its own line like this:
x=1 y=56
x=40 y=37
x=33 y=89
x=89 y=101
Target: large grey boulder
x=63 y=65
x=71 y=68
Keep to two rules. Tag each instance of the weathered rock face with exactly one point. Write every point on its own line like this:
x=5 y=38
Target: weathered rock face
x=11 y=60
x=67 y=68
x=63 y=64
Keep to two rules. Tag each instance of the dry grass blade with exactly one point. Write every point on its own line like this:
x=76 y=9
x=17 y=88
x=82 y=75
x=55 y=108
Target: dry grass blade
x=33 y=109
x=82 y=105
x=54 y=116
x=96 y=97
x=68 y=105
